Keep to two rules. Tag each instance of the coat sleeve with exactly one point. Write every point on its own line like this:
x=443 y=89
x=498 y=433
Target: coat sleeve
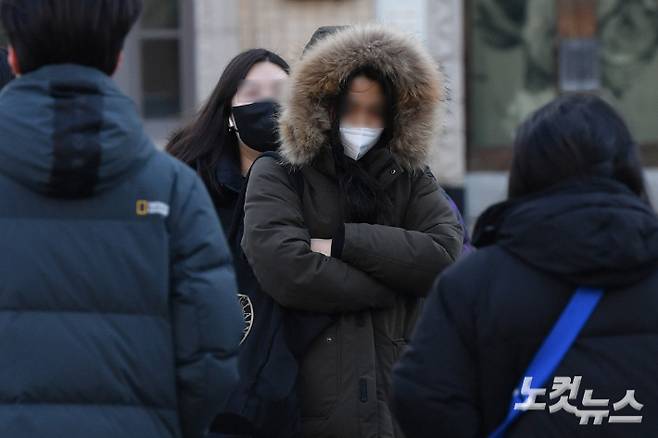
x=277 y=245
x=434 y=383
x=408 y=258
x=206 y=316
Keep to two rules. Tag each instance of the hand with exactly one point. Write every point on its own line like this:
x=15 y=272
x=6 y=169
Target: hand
x=322 y=246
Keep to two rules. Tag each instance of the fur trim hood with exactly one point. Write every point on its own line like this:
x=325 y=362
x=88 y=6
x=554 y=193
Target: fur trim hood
x=305 y=121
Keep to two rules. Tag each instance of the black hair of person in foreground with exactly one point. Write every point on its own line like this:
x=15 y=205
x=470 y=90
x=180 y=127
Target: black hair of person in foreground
x=577 y=215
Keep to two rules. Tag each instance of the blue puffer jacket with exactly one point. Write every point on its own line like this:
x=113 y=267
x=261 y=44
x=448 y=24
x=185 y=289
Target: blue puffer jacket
x=118 y=313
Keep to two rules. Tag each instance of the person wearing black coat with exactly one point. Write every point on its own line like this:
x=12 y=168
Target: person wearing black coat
x=235 y=126
x=230 y=132
x=372 y=228
x=577 y=216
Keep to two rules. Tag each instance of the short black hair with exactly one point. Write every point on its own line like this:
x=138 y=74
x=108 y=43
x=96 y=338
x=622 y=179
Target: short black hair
x=576 y=136
x=6 y=74
x=84 y=32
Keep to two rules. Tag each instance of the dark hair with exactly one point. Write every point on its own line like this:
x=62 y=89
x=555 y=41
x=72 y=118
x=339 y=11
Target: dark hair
x=320 y=34
x=84 y=32
x=202 y=142
x=577 y=136
x=363 y=199
x=6 y=74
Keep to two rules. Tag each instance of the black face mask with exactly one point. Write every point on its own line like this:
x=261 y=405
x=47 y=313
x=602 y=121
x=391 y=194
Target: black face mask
x=256 y=125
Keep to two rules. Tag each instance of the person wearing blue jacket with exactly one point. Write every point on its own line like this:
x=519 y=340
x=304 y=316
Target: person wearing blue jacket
x=118 y=314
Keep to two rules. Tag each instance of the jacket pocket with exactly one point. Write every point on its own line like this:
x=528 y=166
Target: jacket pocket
x=319 y=380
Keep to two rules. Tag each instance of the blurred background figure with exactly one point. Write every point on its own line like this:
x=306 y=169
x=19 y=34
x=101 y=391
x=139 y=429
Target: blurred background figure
x=234 y=127
x=577 y=215
x=6 y=74
x=322 y=33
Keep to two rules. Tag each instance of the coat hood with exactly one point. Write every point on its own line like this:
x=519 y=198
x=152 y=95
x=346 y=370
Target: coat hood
x=305 y=122
x=67 y=131
x=596 y=233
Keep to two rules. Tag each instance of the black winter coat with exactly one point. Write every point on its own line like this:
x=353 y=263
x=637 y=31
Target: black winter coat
x=489 y=313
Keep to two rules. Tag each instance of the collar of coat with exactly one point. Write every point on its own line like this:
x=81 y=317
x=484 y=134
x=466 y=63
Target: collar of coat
x=305 y=121
x=380 y=164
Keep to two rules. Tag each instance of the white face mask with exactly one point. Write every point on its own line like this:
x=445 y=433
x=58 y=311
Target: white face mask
x=358 y=141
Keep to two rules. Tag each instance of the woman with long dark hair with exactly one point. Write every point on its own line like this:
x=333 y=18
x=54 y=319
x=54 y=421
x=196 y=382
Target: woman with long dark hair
x=370 y=230
x=236 y=125
x=577 y=233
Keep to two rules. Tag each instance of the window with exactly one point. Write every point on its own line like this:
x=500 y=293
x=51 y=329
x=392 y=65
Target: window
x=159 y=46
x=157 y=72
x=514 y=57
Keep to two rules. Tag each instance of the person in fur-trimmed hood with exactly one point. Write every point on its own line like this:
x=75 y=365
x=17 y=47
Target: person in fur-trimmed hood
x=369 y=232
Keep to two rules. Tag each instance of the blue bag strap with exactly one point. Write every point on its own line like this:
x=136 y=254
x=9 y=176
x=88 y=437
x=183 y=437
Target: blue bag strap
x=553 y=349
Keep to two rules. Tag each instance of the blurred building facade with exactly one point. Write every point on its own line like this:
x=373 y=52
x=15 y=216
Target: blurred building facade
x=502 y=59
